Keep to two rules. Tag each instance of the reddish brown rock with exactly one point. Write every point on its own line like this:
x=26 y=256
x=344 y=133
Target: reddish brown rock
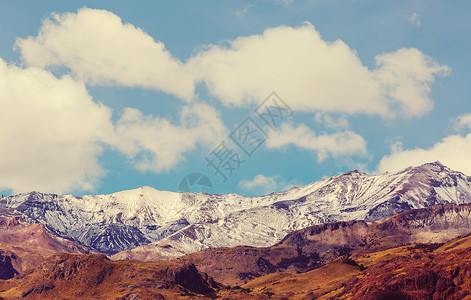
x=29 y=244
x=85 y=276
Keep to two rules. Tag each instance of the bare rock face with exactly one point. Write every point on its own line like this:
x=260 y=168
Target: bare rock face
x=85 y=276
x=7 y=271
x=168 y=225
x=419 y=271
x=315 y=246
x=27 y=245
x=426 y=275
x=424 y=271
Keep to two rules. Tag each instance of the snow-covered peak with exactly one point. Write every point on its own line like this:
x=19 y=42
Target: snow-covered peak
x=193 y=221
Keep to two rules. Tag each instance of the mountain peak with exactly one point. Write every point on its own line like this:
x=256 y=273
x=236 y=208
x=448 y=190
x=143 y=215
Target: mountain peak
x=146 y=187
x=435 y=167
x=354 y=172
x=434 y=164
x=193 y=221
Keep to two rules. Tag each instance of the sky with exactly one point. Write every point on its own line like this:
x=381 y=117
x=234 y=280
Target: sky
x=246 y=97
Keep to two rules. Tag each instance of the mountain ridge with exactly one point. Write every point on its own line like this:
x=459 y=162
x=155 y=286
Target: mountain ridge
x=174 y=224
x=315 y=246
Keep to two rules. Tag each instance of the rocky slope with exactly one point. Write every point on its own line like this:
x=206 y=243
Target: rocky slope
x=315 y=246
x=420 y=271
x=424 y=271
x=8 y=262
x=180 y=223
x=349 y=196
x=24 y=246
x=93 y=276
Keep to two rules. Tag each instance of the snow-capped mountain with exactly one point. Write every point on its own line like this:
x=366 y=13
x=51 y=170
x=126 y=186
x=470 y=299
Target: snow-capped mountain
x=181 y=223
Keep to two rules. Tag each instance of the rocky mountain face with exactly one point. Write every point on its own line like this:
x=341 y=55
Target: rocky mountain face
x=7 y=260
x=420 y=271
x=316 y=246
x=417 y=271
x=24 y=246
x=423 y=275
x=94 y=276
x=174 y=224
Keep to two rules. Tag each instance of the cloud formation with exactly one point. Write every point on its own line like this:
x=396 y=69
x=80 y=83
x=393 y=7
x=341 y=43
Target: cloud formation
x=155 y=144
x=315 y=75
x=463 y=122
x=309 y=73
x=52 y=132
x=331 y=122
x=102 y=50
x=346 y=143
x=56 y=132
x=453 y=151
x=404 y=78
x=263 y=185
x=260 y=183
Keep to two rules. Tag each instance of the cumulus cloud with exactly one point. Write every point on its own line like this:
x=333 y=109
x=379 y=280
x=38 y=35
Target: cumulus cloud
x=263 y=185
x=309 y=73
x=51 y=133
x=346 y=143
x=453 y=151
x=55 y=131
x=260 y=183
x=405 y=76
x=331 y=122
x=155 y=144
x=315 y=75
x=102 y=50
x=463 y=122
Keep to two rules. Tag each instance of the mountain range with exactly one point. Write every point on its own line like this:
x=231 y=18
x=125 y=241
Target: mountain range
x=23 y=246
x=387 y=259
x=151 y=225
x=312 y=247
x=403 y=235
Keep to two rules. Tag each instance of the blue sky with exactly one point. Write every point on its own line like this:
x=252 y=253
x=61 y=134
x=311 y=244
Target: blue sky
x=103 y=96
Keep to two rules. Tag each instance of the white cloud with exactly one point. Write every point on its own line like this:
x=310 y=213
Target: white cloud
x=55 y=132
x=332 y=123
x=463 y=122
x=346 y=143
x=263 y=185
x=452 y=151
x=260 y=183
x=414 y=19
x=51 y=132
x=311 y=74
x=405 y=77
x=99 y=49
x=155 y=144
